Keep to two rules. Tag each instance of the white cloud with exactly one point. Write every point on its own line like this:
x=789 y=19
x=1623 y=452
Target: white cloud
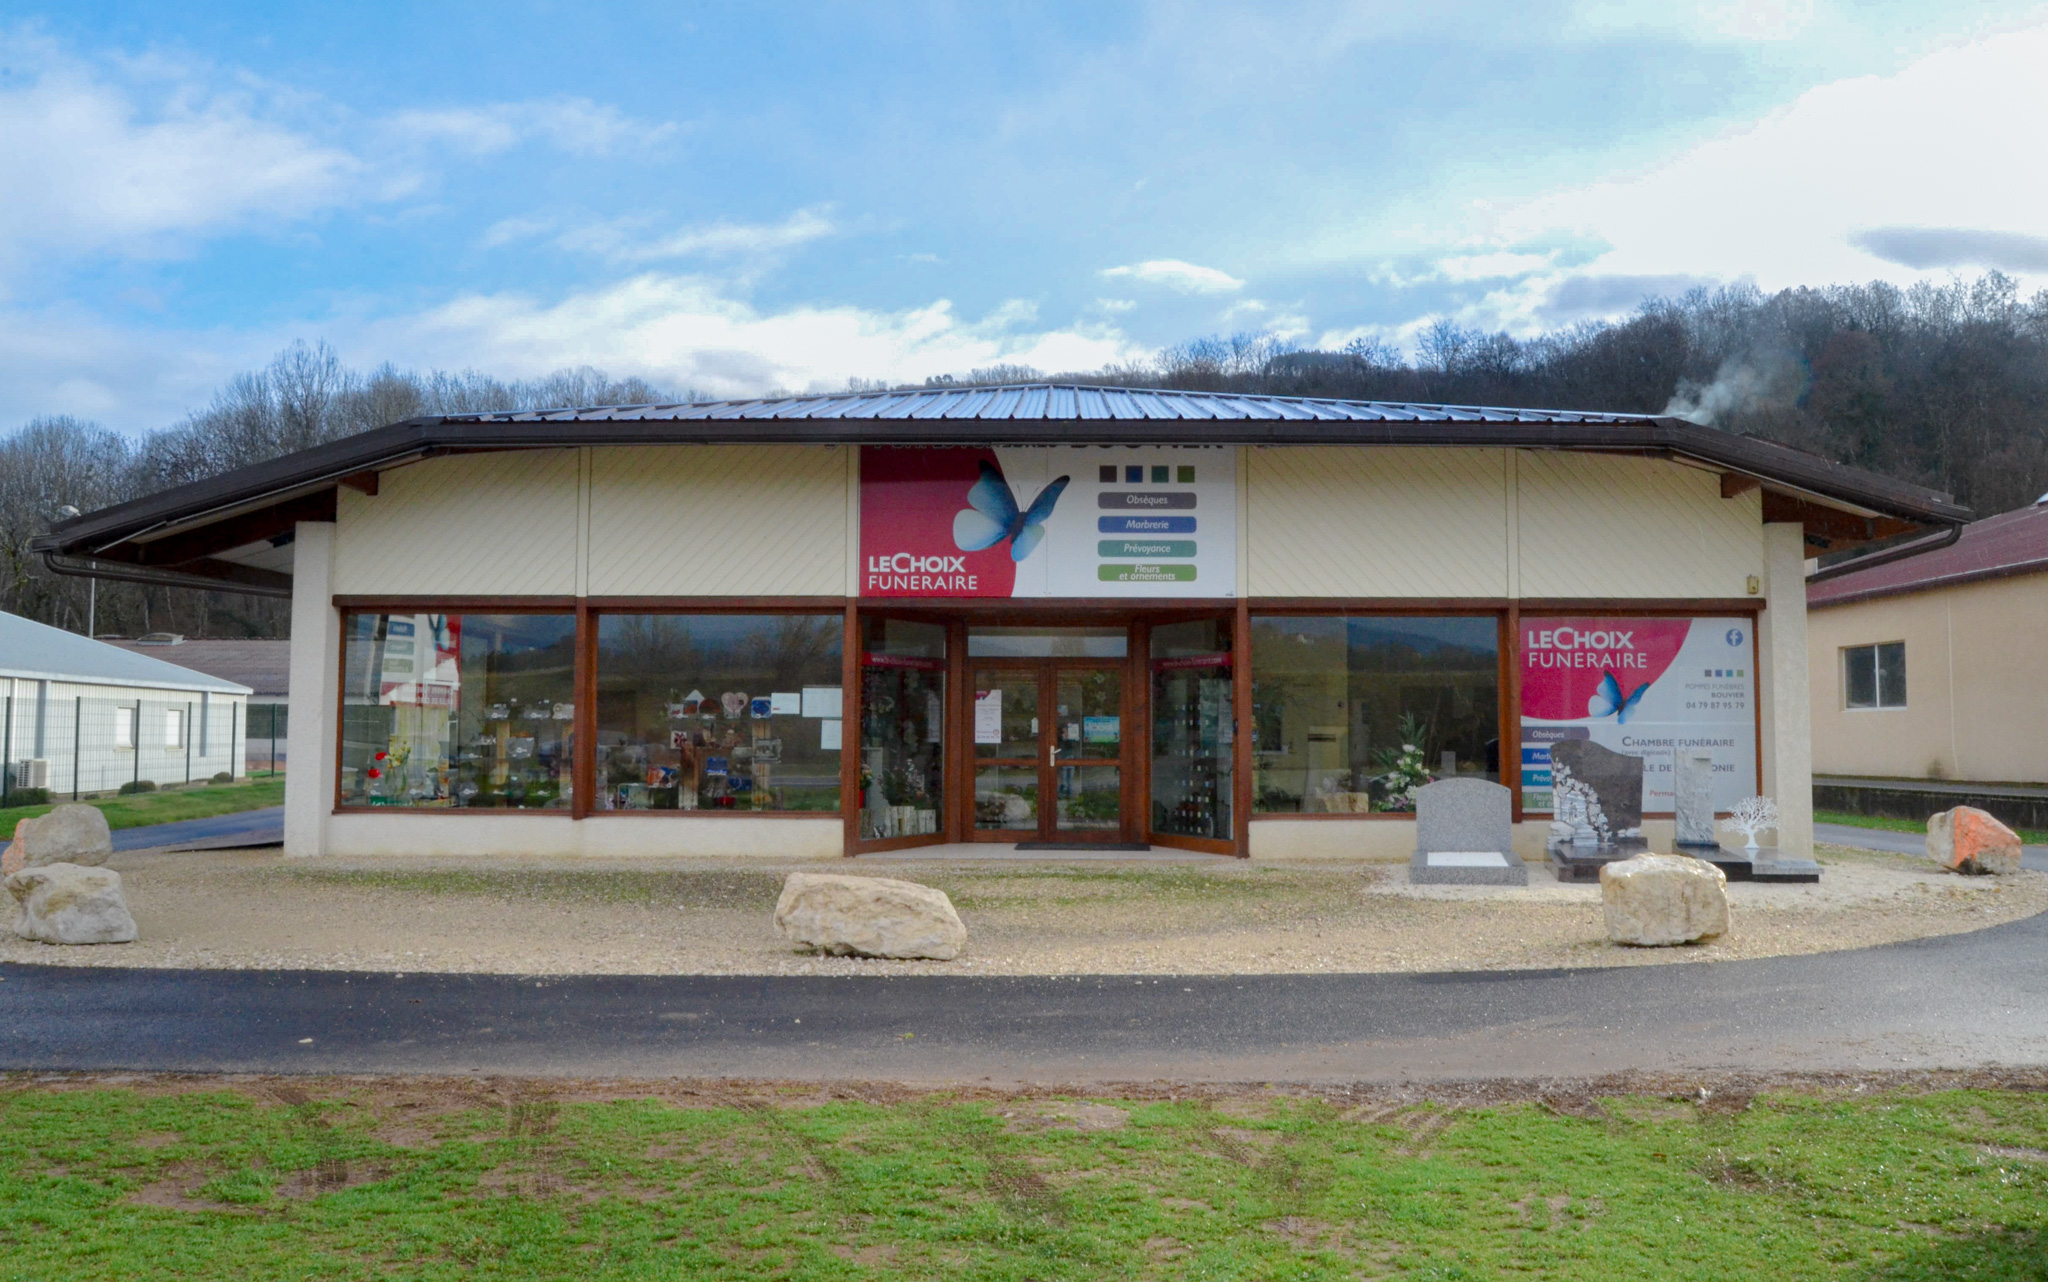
x=1828 y=188
x=631 y=240
x=689 y=331
x=575 y=125
x=1189 y=278
x=88 y=165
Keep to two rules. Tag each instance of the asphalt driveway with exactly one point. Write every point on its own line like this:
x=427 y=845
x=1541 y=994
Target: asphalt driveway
x=1956 y=1001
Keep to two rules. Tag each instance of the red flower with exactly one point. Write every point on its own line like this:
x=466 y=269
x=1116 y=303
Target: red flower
x=382 y=755
x=376 y=773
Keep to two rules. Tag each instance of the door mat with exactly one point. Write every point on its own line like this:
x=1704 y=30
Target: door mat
x=1082 y=845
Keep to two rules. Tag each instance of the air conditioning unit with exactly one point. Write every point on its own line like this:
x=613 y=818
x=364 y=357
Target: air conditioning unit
x=33 y=772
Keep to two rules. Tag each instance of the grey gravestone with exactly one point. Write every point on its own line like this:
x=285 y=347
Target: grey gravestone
x=1464 y=835
x=1692 y=783
x=1614 y=777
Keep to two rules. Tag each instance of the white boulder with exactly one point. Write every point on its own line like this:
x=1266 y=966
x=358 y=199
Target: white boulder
x=869 y=917
x=69 y=904
x=71 y=834
x=1654 y=900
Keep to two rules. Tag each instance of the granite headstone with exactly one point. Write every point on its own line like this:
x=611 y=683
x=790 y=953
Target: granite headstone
x=1463 y=814
x=1615 y=778
x=1692 y=778
x=1464 y=835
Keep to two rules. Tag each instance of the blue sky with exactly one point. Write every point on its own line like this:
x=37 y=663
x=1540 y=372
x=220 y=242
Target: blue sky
x=744 y=197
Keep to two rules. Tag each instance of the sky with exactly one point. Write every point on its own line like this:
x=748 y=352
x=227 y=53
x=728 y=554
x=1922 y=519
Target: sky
x=734 y=199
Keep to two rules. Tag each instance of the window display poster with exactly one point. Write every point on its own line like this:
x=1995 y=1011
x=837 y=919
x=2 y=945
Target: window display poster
x=1062 y=521
x=988 y=716
x=1647 y=687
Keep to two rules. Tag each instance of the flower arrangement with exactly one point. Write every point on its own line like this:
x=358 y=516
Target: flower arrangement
x=1404 y=770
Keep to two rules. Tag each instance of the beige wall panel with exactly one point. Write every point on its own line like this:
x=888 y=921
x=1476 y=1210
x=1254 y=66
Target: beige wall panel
x=1599 y=525
x=1998 y=634
x=474 y=524
x=1974 y=659
x=1913 y=742
x=718 y=520
x=1341 y=521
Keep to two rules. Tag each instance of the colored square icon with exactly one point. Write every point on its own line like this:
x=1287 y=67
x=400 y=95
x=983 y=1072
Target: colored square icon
x=1187 y=474
x=1134 y=476
x=1106 y=474
x=1159 y=474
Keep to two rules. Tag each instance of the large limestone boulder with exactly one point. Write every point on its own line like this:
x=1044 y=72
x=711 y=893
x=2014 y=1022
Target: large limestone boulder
x=70 y=834
x=869 y=917
x=1653 y=900
x=69 y=904
x=1968 y=840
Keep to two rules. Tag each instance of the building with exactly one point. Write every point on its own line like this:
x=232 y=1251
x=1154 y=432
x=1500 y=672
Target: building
x=81 y=716
x=863 y=622
x=261 y=663
x=1928 y=677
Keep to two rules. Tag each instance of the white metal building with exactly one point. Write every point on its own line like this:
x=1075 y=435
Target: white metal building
x=79 y=716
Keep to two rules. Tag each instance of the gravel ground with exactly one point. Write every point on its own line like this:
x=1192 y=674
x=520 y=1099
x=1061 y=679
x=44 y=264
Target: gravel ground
x=255 y=909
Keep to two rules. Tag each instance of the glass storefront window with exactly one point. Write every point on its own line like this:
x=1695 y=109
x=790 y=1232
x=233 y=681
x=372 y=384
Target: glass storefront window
x=902 y=728
x=718 y=712
x=1350 y=714
x=1192 y=726
x=457 y=710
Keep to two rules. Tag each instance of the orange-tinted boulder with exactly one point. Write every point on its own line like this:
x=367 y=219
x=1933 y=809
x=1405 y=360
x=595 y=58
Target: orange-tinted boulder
x=1968 y=840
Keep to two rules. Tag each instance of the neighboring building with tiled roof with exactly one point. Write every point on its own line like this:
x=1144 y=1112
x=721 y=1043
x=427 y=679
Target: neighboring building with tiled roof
x=1935 y=667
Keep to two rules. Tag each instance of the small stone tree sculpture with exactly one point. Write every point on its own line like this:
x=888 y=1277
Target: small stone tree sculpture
x=1751 y=816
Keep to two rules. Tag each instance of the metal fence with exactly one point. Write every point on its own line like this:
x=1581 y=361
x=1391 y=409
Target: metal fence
x=267 y=727
x=95 y=744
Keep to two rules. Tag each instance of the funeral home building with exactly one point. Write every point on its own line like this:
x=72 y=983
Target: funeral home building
x=1027 y=615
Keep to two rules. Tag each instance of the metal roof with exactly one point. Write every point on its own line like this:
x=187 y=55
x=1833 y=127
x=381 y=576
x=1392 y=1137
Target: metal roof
x=261 y=663
x=37 y=652
x=1993 y=548
x=175 y=536
x=1060 y=402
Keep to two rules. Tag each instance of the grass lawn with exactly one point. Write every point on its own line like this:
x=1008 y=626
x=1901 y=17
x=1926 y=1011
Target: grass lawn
x=200 y=801
x=2032 y=836
x=419 y=1179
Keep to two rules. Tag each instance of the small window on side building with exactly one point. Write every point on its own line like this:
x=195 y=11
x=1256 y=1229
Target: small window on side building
x=1874 y=676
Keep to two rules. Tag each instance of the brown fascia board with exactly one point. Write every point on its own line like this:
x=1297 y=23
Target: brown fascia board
x=325 y=466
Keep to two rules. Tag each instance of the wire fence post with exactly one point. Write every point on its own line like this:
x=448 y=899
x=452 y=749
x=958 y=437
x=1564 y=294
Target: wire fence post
x=77 y=740
x=7 y=752
x=135 y=742
x=186 y=730
x=273 y=738
x=236 y=766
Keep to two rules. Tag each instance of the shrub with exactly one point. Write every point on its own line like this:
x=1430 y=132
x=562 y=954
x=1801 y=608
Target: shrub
x=27 y=797
x=225 y=776
x=134 y=786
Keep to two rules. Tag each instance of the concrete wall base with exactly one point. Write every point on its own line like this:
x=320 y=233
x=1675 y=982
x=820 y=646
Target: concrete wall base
x=600 y=836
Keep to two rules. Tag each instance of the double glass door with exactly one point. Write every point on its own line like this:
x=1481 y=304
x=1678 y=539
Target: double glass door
x=1048 y=749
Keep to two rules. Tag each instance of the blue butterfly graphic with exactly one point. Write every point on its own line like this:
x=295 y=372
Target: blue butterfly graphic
x=1607 y=700
x=991 y=515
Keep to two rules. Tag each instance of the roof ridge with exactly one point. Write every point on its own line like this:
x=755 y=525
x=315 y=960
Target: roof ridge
x=874 y=394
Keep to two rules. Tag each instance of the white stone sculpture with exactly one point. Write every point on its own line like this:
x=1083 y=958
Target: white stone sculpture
x=1751 y=816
